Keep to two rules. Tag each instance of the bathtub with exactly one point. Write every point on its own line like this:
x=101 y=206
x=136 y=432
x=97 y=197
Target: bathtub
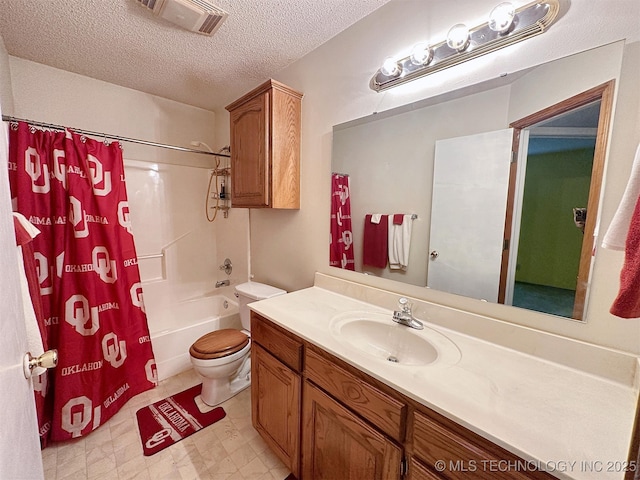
x=176 y=328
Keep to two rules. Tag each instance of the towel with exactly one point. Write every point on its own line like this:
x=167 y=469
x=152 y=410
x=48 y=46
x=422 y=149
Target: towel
x=399 y=242
x=616 y=234
x=32 y=306
x=398 y=218
x=374 y=248
x=375 y=218
x=627 y=303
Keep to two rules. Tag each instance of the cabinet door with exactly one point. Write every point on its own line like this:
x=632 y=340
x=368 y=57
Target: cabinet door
x=275 y=406
x=417 y=471
x=250 y=153
x=338 y=444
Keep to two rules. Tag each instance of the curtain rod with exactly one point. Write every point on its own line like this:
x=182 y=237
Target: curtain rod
x=7 y=118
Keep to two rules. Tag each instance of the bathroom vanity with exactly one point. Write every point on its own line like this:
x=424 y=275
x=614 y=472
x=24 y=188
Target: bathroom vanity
x=341 y=391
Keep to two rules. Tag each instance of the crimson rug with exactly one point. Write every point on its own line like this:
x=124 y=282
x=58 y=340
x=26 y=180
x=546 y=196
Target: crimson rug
x=168 y=421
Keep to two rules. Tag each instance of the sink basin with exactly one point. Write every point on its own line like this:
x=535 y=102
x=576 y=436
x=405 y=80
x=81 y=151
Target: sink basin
x=378 y=336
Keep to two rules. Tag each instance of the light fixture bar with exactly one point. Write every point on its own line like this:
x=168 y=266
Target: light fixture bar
x=530 y=20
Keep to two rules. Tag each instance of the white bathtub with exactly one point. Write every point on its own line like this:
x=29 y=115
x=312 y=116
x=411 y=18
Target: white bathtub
x=173 y=331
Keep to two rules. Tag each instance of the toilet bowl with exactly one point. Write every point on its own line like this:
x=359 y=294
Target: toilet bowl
x=222 y=357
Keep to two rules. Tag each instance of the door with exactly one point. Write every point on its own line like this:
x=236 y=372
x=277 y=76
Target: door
x=470 y=186
x=337 y=444
x=275 y=400
x=19 y=445
x=250 y=153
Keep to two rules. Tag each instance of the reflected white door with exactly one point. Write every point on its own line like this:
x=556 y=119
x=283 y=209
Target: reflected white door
x=470 y=186
x=20 y=455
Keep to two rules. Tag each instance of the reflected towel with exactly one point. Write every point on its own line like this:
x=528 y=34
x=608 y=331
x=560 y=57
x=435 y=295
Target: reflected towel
x=399 y=242
x=374 y=247
x=627 y=303
x=616 y=235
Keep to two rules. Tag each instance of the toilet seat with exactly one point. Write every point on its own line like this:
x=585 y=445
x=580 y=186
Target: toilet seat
x=218 y=344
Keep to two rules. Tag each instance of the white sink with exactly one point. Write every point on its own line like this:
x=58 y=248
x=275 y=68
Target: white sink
x=377 y=335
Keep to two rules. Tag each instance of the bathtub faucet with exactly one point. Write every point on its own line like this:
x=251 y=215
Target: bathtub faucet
x=222 y=283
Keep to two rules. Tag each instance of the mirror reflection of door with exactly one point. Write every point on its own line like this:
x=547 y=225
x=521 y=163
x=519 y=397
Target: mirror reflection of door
x=470 y=186
x=557 y=176
x=544 y=244
x=553 y=202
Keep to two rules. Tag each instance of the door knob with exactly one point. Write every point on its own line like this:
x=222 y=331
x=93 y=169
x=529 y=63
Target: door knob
x=48 y=359
x=434 y=254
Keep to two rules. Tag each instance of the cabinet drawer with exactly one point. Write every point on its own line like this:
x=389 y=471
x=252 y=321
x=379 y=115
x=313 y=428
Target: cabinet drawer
x=280 y=344
x=434 y=442
x=383 y=411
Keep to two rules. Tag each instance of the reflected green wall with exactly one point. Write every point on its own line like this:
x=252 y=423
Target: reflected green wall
x=555 y=183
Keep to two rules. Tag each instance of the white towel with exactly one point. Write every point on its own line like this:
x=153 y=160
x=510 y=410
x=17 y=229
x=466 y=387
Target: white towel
x=375 y=218
x=34 y=339
x=399 y=243
x=616 y=235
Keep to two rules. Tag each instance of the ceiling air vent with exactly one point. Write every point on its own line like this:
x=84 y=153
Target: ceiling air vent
x=198 y=16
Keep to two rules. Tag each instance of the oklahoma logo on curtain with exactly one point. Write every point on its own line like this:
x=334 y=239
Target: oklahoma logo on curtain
x=341 y=247
x=72 y=188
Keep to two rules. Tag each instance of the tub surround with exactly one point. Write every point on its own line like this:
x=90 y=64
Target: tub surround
x=508 y=385
x=182 y=324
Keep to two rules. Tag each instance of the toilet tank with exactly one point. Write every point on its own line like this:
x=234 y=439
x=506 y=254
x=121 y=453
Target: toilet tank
x=250 y=292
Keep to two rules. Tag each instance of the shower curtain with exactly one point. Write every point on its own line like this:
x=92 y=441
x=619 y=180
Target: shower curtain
x=72 y=189
x=341 y=247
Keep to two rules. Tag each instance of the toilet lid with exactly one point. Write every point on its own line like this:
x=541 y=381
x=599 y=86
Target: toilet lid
x=219 y=343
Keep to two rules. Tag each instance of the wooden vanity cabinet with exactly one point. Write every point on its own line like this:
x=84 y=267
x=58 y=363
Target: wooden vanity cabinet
x=276 y=361
x=337 y=444
x=441 y=445
x=327 y=420
x=351 y=430
x=265 y=147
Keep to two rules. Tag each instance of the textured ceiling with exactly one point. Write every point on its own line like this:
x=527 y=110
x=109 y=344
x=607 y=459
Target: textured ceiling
x=120 y=42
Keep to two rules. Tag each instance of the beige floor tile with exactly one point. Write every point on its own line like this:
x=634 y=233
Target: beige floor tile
x=230 y=449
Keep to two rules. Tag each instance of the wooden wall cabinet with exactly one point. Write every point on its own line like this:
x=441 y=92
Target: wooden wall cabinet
x=327 y=420
x=265 y=147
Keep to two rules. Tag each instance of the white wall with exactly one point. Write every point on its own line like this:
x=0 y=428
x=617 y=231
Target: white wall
x=288 y=247
x=166 y=188
x=390 y=163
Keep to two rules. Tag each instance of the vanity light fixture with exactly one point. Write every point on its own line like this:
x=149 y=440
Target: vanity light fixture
x=506 y=25
x=458 y=37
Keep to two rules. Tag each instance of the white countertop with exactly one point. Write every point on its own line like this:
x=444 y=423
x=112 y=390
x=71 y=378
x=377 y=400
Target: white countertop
x=573 y=424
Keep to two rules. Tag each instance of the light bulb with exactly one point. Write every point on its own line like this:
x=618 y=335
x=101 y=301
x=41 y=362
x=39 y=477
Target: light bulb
x=458 y=37
x=390 y=67
x=501 y=17
x=421 y=54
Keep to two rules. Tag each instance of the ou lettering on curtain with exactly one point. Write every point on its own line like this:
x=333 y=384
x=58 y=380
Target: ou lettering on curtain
x=72 y=189
x=341 y=248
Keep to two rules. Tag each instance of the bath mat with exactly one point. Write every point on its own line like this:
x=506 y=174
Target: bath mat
x=168 y=421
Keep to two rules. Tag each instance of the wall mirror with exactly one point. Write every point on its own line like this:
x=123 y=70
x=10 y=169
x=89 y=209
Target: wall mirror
x=503 y=181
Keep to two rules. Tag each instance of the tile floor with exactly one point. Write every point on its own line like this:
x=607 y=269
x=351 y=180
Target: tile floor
x=230 y=449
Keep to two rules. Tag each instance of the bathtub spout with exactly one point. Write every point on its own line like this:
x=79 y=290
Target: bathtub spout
x=222 y=283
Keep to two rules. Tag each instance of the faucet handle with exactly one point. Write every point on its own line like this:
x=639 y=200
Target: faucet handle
x=405 y=304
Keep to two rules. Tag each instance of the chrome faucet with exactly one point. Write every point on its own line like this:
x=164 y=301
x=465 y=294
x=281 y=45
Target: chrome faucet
x=222 y=283
x=404 y=315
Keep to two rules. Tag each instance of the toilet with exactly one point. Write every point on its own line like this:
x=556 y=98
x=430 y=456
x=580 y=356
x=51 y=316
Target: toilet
x=222 y=357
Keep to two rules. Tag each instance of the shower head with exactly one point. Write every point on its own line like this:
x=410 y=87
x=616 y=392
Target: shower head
x=198 y=143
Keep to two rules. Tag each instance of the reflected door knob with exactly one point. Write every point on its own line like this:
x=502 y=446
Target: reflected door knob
x=48 y=359
x=434 y=254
